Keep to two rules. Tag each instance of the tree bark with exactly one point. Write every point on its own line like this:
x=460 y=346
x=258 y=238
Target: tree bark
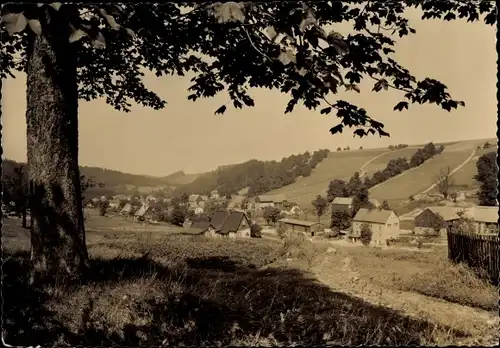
x=58 y=250
x=24 y=216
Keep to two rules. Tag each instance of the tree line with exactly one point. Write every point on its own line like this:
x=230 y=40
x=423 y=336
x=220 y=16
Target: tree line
x=398 y=165
x=258 y=176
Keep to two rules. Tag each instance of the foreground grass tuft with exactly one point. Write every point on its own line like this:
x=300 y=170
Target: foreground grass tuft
x=454 y=283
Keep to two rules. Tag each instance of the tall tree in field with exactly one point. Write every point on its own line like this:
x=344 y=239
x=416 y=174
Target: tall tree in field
x=444 y=182
x=336 y=188
x=320 y=205
x=354 y=184
x=487 y=175
x=360 y=200
x=85 y=51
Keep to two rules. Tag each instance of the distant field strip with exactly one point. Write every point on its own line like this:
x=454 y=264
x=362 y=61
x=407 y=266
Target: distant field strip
x=380 y=162
x=338 y=165
x=420 y=178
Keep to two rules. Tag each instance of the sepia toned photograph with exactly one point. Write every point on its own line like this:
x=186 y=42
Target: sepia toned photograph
x=287 y=173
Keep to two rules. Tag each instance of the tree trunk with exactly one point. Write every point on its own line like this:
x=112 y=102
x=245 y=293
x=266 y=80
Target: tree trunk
x=58 y=249
x=23 y=212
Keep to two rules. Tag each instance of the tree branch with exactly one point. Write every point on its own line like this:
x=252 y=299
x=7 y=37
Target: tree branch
x=253 y=45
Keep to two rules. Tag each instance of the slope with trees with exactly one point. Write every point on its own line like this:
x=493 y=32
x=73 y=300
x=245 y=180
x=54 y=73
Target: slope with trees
x=86 y=51
x=258 y=176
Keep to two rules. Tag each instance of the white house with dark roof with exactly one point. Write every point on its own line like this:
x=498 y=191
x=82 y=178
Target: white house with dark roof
x=384 y=224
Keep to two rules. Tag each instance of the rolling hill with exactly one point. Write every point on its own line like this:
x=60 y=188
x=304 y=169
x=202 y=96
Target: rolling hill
x=338 y=165
x=464 y=177
x=419 y=179
x=113 y=179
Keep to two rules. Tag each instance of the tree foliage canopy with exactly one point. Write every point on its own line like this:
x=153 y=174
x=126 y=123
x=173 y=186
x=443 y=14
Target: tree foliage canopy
x=487 y=175
x=233 y=47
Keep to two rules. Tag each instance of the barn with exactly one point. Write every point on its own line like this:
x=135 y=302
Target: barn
x=434 y=221
x=296 y=225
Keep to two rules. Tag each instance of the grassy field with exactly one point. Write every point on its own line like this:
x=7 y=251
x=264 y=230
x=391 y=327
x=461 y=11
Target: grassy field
x=420 y=178
x=464 y=178
x=381 y=162
x=155 y=287
x=338 y=165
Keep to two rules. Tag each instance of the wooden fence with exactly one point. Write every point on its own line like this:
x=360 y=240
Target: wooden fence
x=478 y=251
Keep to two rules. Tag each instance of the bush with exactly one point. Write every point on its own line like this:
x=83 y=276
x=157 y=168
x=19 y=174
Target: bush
x=366 y=234
x=255 y=231
x=282 y=231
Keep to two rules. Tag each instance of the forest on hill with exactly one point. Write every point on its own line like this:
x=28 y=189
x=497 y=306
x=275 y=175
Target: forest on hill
x=113 y=178
x=258 y=176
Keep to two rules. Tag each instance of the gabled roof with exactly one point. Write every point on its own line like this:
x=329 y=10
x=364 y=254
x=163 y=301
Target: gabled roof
x=204 y=197
x=232 y=222
x=342 y=200
x=484 y=214
x=379 y=216
x=193 y=198
x=127 y=208
x=218 y=218
x=271 y=198
x=447 y=213
x=142 y=210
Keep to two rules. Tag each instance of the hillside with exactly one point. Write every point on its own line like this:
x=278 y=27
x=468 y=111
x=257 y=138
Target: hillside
x=113 y=179
x=464 y=177
x=417 y=180
x=258 y=176
x=338 y=165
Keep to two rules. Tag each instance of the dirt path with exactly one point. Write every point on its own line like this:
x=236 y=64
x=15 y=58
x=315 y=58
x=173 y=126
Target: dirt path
x=362 y=169
x=484 y=326
x=456 y=169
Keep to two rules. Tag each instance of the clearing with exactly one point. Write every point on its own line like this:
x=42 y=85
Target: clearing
x=338 y=165
x=157 y=288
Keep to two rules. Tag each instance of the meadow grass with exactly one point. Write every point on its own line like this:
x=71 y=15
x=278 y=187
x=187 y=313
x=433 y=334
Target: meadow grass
x=161 y=289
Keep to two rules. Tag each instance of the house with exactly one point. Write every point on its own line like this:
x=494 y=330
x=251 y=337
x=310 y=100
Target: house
x=295 y=210
x=195 y=199
x=151 y=198
x=485 y=219
x=144 y=213
x=434 y=221
x=214 y=194
x=222 y=224
x=236 y=202
x=126 y=210
x=384 y=224
x=344 y=204
x=269 y=201
x=296 y=225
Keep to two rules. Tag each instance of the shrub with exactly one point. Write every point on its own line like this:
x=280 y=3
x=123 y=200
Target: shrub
x=282 y=231
x=366 y=234
x=255 y=231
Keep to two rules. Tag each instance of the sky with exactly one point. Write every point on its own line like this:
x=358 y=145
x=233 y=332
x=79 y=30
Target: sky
x=188 y=136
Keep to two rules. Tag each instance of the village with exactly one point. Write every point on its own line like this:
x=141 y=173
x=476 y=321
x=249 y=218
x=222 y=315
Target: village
x=240 y=216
